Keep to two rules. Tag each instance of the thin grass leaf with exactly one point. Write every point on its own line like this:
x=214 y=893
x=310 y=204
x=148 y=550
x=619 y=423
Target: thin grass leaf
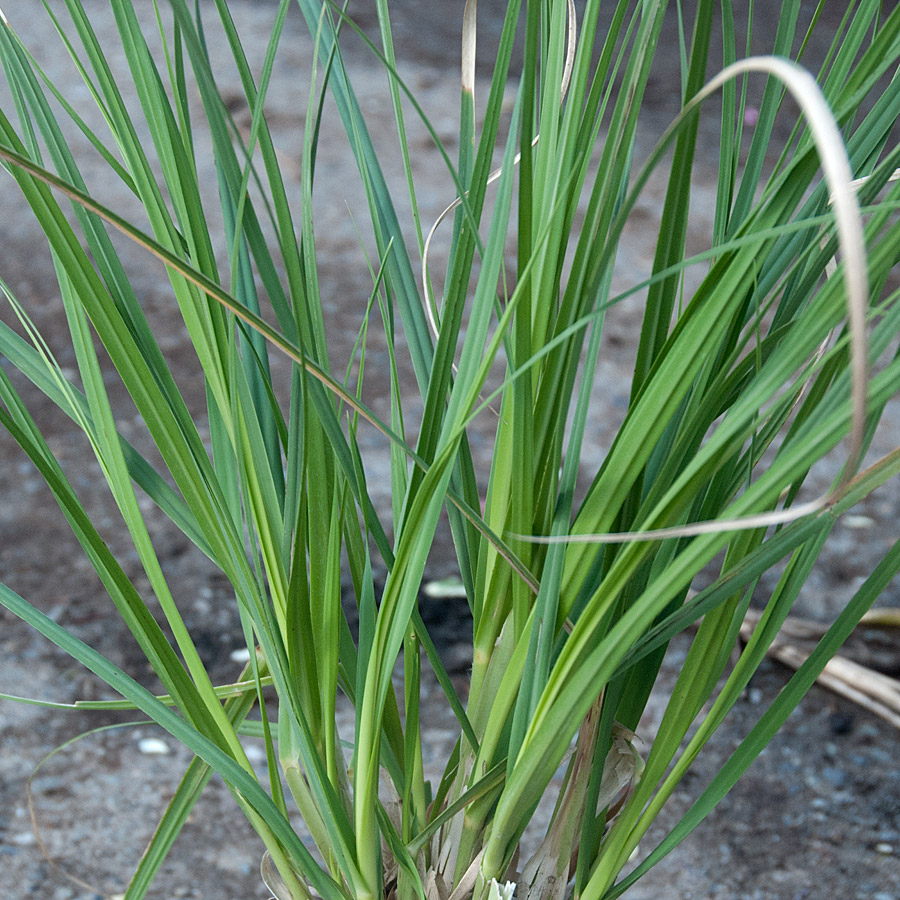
x=775 y=715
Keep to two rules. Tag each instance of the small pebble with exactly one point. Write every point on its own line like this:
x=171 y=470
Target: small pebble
x=255 y=753
x=755 y=695
x=447 y=588
x=884 y=849
x=858 y=521
x=153 y=747
x=241 y=655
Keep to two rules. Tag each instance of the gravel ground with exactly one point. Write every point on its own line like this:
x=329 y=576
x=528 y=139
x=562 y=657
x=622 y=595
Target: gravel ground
x=818 y=816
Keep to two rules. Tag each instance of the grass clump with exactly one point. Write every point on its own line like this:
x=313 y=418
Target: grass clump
x=739 y=388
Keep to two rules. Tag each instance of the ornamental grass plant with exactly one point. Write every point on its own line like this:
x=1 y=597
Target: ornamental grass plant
x=755 y=360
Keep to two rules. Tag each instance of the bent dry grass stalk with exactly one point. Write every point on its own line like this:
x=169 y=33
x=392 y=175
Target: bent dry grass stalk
x=738 y=391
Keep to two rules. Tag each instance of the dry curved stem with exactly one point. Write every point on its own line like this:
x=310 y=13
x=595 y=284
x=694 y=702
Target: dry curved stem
x=32 y=813
x=468 y=84
x=864 y=686
x=881 y=617
x=857 y=183
x=848 y=217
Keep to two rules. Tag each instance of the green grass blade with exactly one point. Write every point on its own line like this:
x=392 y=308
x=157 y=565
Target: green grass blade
x=775 y=715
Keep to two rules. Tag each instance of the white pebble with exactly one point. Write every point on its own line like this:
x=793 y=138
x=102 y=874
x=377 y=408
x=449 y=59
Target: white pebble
x=884 y=849
x=858 y=521
x=153 y=747
x=255 y=753
x=241 y=655
x=447 y=589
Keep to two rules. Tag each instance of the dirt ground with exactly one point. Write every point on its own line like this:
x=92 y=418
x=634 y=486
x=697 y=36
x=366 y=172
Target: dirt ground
x=818 y=816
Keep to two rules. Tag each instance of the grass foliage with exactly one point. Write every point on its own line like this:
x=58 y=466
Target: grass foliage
x=739 y=388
